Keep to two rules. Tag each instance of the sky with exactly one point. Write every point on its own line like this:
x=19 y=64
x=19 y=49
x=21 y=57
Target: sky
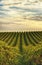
x=19 y=13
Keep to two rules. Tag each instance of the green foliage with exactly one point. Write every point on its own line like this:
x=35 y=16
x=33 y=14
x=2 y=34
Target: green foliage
x=9 y=56
x=21 y=48
x=2 y=43
x=31 y=55
x=11 y=38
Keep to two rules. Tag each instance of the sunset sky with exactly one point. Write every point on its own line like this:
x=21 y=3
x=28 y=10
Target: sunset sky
x=19 y=15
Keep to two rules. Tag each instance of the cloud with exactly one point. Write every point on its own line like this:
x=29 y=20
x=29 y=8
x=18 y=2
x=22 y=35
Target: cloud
x=27 y=9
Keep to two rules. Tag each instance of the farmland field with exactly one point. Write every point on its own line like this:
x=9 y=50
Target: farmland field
x=21 y=48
